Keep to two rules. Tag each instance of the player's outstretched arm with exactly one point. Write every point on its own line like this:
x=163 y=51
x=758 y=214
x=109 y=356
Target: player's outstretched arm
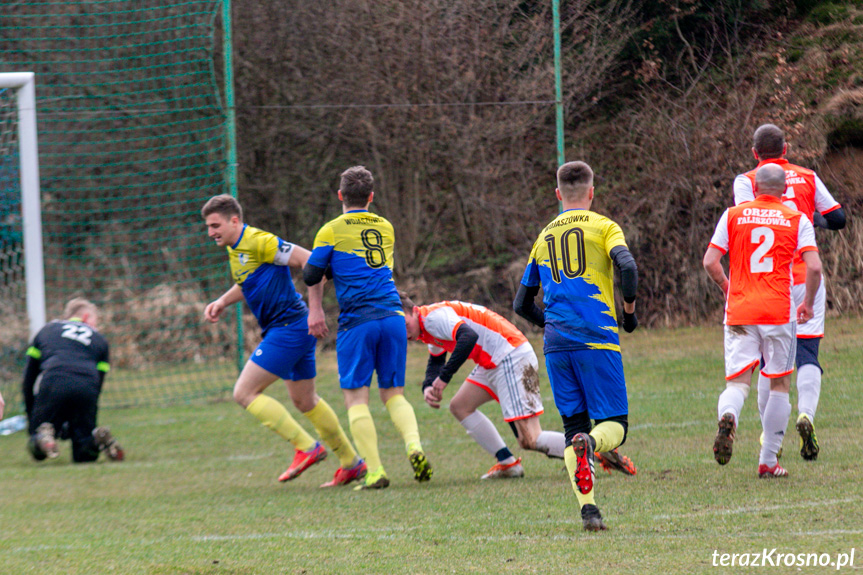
x=215 y=308
x=313 y=275
x=465 y=341
x=713 y=267
x=31 y=374
x=628 y=270
x=433 y=367
x=317 y=318
x=833 y=220
x=525 y=306
x=299 y=257
x=813 y=281
x=2 y=405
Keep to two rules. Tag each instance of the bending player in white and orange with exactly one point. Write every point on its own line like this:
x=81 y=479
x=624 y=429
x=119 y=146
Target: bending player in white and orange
x=761 y=238
x=805 y=192
x=507 y=371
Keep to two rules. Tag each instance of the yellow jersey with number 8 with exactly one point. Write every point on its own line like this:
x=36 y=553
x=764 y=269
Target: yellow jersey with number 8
x=358 y=246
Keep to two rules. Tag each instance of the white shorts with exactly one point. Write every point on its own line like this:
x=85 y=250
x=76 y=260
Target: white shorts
x=746 y=345
x=815 y=326
x=514 y=383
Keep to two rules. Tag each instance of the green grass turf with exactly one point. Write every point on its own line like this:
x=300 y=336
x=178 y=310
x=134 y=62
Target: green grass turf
x=198 y=492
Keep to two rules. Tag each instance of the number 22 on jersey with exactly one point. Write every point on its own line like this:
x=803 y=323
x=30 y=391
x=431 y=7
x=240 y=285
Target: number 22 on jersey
x=80 y=333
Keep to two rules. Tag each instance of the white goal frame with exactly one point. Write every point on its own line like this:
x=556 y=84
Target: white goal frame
x=31 y=212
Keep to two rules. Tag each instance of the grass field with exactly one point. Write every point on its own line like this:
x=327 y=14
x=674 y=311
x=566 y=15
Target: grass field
x=198 y=492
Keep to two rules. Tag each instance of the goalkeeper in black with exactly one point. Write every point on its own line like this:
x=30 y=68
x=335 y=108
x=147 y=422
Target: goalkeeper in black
x=66 y=366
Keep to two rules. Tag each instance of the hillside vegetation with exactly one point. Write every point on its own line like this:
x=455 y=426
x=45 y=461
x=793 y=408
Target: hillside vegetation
x=448 y=104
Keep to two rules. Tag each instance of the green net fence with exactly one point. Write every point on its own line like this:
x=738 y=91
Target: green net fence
x=131 y=143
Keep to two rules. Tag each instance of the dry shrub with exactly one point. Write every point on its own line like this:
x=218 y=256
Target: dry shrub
x=666 y=183
x=162 y=325
x=425 y=90
x=846 y=104
x=842 y=252
x=665 y=168
x=14 y=333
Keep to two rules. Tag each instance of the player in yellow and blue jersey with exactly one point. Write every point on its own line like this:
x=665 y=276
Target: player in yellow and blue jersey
x=260 y=267
x=573 y=260
x=357 y=247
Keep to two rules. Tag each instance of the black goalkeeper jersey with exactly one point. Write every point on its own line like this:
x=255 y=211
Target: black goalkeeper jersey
x=66 y=351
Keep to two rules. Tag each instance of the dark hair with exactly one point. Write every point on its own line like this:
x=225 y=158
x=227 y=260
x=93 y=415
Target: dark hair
x=769 y=142
x=222 y=204
x=356 y=185
x=574 y=179
x=407 y=303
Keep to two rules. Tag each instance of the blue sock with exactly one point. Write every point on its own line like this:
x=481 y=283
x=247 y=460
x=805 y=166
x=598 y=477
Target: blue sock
x=503 y=454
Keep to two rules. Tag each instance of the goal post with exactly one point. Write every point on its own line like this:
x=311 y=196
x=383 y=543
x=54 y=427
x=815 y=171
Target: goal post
x=24 y=84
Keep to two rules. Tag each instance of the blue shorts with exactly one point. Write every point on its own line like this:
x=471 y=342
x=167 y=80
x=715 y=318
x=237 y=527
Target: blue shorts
x=287 y=351
x=376 y=345
x=587 y=380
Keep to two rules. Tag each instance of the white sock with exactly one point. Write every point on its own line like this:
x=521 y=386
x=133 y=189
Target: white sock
x=763 y=394
x=483 y=431
x=775 y=421
x=731 y=401
x=808 y=389
x=552 y=443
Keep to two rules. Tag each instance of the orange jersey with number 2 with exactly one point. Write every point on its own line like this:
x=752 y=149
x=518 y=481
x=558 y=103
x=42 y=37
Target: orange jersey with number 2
x=761 y=238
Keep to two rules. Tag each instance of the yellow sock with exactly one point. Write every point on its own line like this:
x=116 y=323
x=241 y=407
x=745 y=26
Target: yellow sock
x=405 y=420
x=327 y=424
x=365 y=436
x=273 y=414
x=608 y=435
x=571 y=465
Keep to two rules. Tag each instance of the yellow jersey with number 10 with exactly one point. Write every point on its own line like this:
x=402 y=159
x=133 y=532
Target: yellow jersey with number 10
x=571 y=260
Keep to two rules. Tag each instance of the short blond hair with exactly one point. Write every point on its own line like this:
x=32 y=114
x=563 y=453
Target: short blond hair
x=574 y=180
x=75 y=306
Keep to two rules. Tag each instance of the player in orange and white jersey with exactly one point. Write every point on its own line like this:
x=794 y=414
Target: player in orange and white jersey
x=806 y=193
x=761 y=238
x=507 y=371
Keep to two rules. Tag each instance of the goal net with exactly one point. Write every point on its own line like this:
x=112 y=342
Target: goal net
x=131 y=137
x=12 y=279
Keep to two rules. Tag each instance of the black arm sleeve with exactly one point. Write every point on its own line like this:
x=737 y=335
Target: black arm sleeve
x=312 y=275
x=465 y=340
x=31 y=373
x=628 y=272
x=525 y=306
x=834 y=220
x=433 y=369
